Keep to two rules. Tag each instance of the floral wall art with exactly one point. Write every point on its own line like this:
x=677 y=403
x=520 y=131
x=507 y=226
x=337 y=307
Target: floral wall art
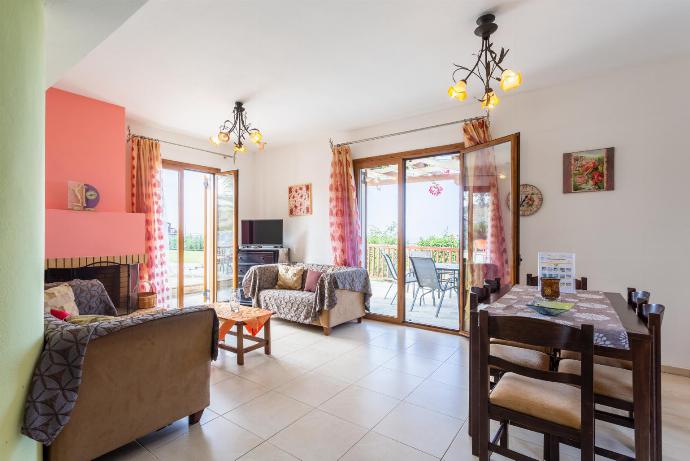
x=588 y=171
x=299 y=200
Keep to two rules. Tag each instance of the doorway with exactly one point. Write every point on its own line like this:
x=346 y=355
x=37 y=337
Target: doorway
x=200 y=221
x=430 y=228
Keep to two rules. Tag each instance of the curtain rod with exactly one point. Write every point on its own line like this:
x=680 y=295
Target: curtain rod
x=374 y=138
x=130 y=136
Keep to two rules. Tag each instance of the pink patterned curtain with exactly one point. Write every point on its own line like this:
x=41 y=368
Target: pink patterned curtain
x=148 y=199
x=344 y=215
x=483 y=177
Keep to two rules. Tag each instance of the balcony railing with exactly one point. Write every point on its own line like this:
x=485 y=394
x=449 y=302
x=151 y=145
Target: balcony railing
x=376 y=264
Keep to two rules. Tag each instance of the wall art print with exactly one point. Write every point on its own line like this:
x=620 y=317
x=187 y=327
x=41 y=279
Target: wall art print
x=588 y=171
x=299 y=200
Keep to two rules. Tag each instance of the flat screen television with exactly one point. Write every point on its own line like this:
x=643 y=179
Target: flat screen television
x=262 y=232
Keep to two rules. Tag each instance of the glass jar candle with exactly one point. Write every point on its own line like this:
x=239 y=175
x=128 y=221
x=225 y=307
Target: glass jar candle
x=550 y=287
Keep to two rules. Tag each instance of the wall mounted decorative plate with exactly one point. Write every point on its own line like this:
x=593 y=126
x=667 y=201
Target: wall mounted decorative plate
x=91 y=196
x=531 y=199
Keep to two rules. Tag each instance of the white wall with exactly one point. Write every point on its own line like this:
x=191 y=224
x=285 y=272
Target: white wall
x=636 y=235
x=245 y=162
x=310 y=162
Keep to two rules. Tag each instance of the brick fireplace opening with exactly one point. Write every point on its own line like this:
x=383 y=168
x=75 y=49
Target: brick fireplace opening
x=119 y=276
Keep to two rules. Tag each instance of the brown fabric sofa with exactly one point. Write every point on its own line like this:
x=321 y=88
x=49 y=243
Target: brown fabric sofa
x=135 y=381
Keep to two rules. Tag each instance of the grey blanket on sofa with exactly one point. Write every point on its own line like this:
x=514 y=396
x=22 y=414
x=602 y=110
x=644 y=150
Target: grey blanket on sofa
x=90 y=297
x=305 y=307
x=55 y=383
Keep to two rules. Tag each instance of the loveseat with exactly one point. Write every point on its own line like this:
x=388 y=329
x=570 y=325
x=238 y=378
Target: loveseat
x=132 y=375
x=341 y=295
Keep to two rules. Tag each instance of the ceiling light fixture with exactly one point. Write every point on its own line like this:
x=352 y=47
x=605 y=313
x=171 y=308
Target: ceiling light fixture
x=239 y=128
x=488 y=65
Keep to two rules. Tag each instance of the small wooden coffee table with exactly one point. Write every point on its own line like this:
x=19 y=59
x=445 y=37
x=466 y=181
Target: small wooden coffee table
x=253 y=318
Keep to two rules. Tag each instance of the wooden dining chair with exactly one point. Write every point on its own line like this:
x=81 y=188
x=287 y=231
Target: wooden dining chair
x=613 y=385
x=559 y=405
x=580 y=284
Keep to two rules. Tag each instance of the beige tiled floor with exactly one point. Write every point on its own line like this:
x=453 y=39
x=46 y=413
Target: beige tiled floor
x=373 y=391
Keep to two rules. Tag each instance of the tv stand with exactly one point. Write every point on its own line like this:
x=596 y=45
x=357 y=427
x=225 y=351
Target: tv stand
x=247 y=257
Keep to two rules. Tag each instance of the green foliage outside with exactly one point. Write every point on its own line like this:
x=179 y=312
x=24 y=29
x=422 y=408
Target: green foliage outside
x=389 y=236
x=192 y=242
x=445 y=240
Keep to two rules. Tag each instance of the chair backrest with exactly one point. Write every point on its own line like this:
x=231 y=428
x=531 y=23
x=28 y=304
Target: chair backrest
x=425 y=272
x=637 y=298
x=391 y=267
x=541 y=333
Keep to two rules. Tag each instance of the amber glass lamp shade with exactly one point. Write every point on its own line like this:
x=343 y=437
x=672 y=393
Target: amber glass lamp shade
x=490 y=100
x=458 y=90
x=255 y=136
x=223 y=136
x=239 y=148
x=510 y=80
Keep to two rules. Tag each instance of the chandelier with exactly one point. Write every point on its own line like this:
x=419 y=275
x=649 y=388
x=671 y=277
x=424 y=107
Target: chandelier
x=237 y=128
x=487 y=66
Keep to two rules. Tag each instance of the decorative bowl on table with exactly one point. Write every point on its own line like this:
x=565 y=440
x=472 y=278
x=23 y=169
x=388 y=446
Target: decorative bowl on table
x=549 y=307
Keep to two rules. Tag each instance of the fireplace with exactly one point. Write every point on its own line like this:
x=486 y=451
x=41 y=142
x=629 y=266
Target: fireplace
x=120 y=279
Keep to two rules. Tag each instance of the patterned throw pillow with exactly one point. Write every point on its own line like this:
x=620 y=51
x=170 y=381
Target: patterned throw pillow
x=289 y=277
x=60 y=297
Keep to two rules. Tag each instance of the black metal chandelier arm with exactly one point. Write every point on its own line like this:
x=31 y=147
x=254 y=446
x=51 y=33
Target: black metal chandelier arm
x=469 y=72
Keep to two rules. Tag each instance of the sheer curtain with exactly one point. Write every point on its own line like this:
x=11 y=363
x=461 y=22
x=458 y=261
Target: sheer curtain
x=344 y=214
x=147 y=198
x=482 y=177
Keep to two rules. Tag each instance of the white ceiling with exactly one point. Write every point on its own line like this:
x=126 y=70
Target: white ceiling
x=75 y=27
x=309 y=66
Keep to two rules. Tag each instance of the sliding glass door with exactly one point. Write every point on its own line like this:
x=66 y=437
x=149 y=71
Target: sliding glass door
x=436 y=222
x=378 y=193
x=226 y=235
x=432 y=240
x=200 y=206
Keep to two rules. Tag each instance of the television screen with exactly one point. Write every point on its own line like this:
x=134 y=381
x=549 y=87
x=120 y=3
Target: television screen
x=262 y=232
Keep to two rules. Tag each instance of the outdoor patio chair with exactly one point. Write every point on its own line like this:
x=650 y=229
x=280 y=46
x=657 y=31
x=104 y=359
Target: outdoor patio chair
x=427 y=278
x=409 y=277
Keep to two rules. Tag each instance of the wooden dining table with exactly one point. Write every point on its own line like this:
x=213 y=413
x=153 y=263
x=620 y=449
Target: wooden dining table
x=624 y=337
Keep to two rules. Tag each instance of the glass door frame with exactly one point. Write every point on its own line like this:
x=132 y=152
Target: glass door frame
x=235 y=241
x=400 y=159
x=180 y=168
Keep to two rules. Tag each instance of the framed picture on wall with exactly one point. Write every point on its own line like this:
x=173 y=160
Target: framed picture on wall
x=588 y=171
x=299 y=200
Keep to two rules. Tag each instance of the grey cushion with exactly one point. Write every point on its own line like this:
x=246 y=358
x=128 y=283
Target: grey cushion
x=90 y=296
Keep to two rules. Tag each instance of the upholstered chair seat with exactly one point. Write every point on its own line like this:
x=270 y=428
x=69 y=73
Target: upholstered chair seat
x=611 y=362
x=521 y=356
x=608 y=381
x=545 y=350
x=551 y=401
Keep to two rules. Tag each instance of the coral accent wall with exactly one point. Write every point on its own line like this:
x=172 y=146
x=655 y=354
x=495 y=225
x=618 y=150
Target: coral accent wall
x=71 y=234
x=85 y=141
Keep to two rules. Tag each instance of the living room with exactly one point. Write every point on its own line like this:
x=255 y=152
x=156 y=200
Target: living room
x=345 y=208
